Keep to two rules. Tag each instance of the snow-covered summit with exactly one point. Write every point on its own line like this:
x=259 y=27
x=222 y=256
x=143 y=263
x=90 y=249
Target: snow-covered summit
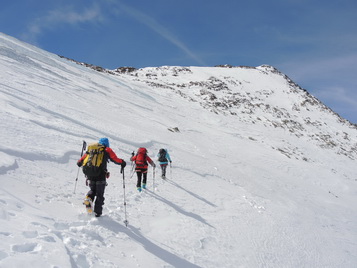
x=262 y=96
x=263 y=173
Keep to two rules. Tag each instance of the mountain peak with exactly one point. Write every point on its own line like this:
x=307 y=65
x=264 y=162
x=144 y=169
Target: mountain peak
x=262 y=174
x=260 y=95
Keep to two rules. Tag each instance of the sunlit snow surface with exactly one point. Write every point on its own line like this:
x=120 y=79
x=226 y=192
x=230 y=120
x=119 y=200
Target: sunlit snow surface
x=270 y=181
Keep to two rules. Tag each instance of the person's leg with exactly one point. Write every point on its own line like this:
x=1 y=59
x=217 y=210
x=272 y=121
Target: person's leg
x=92 y=192
x=164 y=170
x=145 y=175
x=138 y=184
x=88 y=200
x=99 y=201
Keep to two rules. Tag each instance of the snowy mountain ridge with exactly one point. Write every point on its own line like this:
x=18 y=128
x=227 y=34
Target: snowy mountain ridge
x=271 y=99
x=252 y=183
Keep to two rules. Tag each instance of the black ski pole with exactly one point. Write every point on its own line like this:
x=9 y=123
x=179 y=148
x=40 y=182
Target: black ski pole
x=132 y=171
x=126 y=222
x=153 y=181
x=132 y=166
x=170 y=170
x=83 y=148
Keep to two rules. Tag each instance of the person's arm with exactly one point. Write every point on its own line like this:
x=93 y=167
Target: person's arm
x=168 y=156
x=80 y=161
x=133 y=158
x=113 y=157
x=150 y=161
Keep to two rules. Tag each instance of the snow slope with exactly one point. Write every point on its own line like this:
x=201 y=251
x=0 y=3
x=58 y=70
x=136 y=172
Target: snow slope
x=268 y=182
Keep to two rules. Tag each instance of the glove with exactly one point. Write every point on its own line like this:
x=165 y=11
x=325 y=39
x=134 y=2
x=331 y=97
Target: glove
x=132 y=154
x=79 y=163
x=123 y=164
x=170 y=161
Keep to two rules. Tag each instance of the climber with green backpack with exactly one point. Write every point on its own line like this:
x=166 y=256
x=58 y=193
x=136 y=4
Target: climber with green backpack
x=94 y=163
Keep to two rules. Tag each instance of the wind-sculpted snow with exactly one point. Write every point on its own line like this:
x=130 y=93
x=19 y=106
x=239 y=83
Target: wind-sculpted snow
x=263 y=174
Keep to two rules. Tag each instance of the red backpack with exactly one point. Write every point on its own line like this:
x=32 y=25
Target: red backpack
x=140 y=160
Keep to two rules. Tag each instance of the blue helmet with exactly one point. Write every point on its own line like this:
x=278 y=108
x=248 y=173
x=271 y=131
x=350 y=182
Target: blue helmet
x=104 y=141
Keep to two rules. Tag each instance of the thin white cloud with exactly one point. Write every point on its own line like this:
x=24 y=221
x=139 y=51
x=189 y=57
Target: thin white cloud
x=56 y=18
x=161 y=30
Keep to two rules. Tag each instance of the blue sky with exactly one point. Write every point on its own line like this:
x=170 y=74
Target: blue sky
x=313 y=42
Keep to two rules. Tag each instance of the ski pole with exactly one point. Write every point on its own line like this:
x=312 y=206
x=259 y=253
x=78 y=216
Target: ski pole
x=132 y=171
x=153 y=180
x=170 y=170
x=132 y=166
x=83 y=148
x=126 y=222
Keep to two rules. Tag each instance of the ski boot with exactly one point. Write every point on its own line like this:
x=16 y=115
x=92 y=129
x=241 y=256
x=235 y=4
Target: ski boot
x=89 y=204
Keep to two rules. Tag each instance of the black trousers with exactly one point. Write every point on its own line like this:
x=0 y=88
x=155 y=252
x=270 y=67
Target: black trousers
x=141 y=173
x=97 y=189
x=163 y=169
